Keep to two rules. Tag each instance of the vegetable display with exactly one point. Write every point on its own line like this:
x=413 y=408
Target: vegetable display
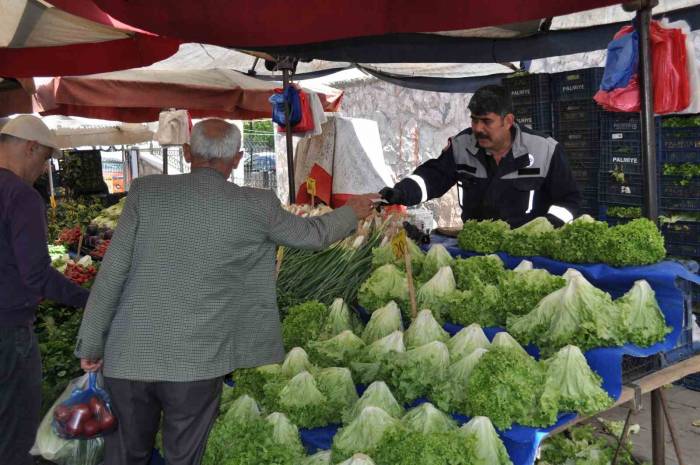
x=490 y=450
x=584 y=240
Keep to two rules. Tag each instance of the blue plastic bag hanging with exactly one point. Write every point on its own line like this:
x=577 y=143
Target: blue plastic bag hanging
x=86 y=414
x=290 y=94
x=621 y=62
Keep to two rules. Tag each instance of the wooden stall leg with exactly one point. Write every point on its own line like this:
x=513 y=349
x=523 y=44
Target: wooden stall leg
x=671 y=428
x=658 y=452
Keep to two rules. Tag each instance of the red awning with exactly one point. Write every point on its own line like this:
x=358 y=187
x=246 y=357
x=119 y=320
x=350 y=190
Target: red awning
x=40 y=40
x=137 y=96
x=254 y=23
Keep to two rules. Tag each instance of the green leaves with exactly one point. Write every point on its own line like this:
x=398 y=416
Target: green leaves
x=641 y=316
x=385 y=284
x=482 y=236
x=303 y=323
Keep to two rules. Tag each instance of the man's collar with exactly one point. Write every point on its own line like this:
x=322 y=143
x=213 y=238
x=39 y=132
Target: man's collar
x=208 y=171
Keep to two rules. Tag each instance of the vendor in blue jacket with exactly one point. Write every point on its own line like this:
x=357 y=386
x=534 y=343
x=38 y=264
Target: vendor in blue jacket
x=26 y=277
x=503 y=170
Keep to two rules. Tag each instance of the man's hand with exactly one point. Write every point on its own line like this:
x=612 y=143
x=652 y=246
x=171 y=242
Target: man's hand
x=362 y=205
x=392 y=196
x=90 y=365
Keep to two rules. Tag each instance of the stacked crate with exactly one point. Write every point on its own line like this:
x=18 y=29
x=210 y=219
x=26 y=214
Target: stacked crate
x=531 y=100
x=577 y=128
x=679 y=147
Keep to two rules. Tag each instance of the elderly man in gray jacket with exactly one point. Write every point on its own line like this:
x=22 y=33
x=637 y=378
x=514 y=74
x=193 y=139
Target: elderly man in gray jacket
x=186 y=294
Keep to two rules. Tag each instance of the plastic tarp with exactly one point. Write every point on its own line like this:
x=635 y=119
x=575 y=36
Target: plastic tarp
x=37 y=39
x=139 y=95
x=349 y=151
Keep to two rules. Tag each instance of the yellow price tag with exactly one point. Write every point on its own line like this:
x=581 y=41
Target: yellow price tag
x=311 y=186
x=398 y=244
x=280 y=254
x=53 y=202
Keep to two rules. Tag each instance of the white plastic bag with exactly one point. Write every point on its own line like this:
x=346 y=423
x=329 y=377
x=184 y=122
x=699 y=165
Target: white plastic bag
x=62 y=451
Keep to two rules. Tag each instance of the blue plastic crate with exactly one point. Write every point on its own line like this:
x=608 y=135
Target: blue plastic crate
x=576 y=115
x=576 y=85
x=621 y=150
x=528 y=88
x=578 y=140
x=611 y=122
x=627 y=193
x=537 y=116
x=679 y=145
x=675 y=196
x=585 y=171
x=682 y=239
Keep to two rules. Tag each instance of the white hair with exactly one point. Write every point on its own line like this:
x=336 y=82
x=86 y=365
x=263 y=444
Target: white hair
x=224 y=146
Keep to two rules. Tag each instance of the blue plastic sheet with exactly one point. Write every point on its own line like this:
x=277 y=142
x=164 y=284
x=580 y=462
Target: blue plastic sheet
x=522 y=442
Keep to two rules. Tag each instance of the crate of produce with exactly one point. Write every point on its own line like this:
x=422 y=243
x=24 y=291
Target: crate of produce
x=537 y=116
x=528 y=88
x=576 y=85
x=621 y=188
x=682 y=232
x=619 y=214
x=678 y=193
x=576 y=115
x=81 y=172
x=634 y=368
x=679 y=139
x=622 y=151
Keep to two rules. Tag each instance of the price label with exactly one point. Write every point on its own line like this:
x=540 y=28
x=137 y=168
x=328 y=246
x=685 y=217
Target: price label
x=311 y=186
x=53 y=202
x=398 y=244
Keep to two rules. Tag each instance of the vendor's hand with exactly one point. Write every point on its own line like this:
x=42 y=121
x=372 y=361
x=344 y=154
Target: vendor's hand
x=392 y=196
x=362 y=205
x=90 y=365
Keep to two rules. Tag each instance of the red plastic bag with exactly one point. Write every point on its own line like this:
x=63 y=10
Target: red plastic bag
x=669 y=71
x=306 y=123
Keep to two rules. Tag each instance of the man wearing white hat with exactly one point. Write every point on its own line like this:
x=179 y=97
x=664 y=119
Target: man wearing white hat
x=26 y=277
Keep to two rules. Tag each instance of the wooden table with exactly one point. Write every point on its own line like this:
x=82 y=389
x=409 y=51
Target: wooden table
x=652 y=383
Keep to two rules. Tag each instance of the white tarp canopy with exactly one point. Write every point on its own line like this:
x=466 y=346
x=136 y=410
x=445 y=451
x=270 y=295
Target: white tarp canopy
x=80 y=132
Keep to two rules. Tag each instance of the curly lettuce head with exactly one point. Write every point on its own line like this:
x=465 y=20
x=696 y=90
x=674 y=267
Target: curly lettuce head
x=284 y=432
x=436 y=258
x=571 y=385
x=522 y=290
x=581 y=241
x=432 y=294
x=336 y=351
x=243 y=410
x=490 y=449
x=529 y=239
x=379 y=395
x=337 y=385
x=364 y=433
x=475 y=271
x=427 y=419
x=638 y=242
x=482 y=236
x=423 y=330
x=411 y=374
x=449 y=393
x=503 y=339
x=296 y=361
x=340 y=318
x=383 y=322
x=385 y=284
x=641 y=316
x=304 y=404
x=466 y=341
x=372 y=362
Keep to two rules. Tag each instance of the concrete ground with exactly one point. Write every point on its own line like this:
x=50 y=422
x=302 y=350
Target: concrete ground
x=684 y=406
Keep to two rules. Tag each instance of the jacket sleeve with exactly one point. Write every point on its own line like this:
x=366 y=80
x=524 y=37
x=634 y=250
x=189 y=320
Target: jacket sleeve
x=562 y=190
x=313 y=233
x=430 y=180
x=109 y=283
x=28 y=237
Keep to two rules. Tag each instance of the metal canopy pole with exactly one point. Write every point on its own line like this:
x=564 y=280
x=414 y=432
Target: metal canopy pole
x=651 y=209
x=287 y=66
x=643 y=19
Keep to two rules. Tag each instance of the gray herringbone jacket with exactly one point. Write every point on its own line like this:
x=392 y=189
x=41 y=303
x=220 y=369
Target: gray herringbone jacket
x=186 y=290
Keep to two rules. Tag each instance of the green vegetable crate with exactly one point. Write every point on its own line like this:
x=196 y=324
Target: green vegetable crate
x=677 y=193
x=679 y=139
x=682 y=238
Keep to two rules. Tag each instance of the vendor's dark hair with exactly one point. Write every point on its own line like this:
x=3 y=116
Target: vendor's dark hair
x=491 y=99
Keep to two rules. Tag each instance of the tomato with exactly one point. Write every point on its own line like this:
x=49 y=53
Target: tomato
x=62 y=413
x=108 y=421
x=97 y=407
x=91 y=428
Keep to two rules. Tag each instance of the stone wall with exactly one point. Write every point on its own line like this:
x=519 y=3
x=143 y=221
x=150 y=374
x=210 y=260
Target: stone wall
x=414 y=126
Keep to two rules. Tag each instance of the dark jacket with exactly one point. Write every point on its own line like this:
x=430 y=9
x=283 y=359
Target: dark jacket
x=533 y=179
